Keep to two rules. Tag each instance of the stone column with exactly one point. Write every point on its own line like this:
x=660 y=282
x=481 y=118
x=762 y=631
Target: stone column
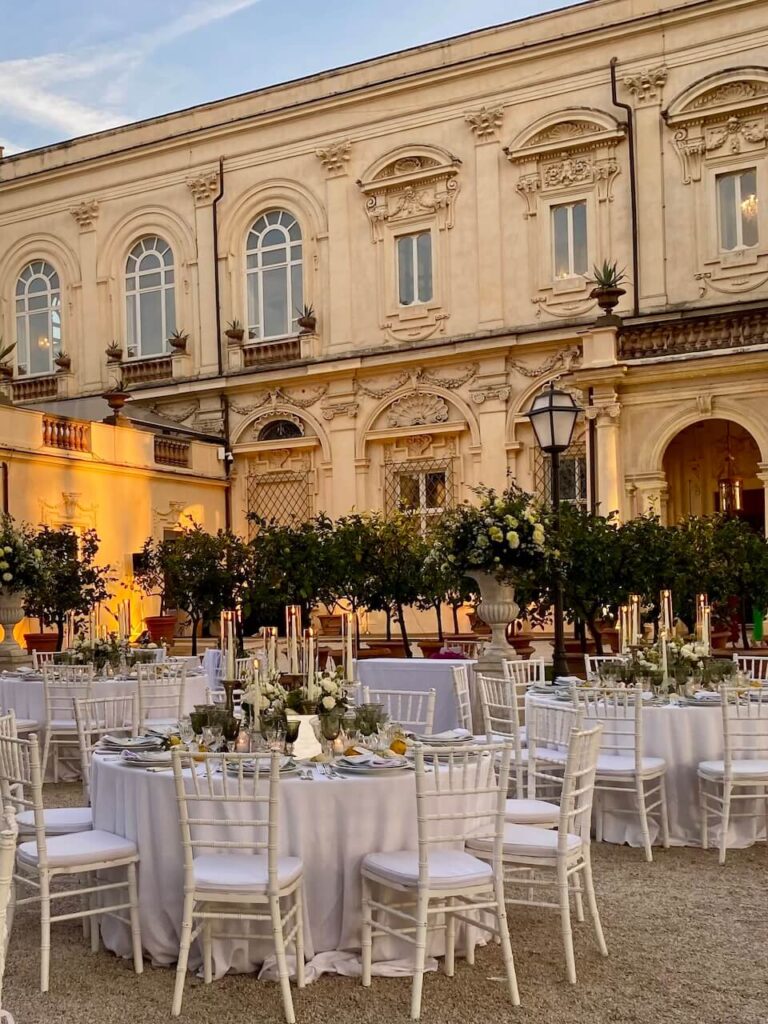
x=647 y=86
x=204 y=188
x=338 y=332
x=650 y=491
x=90 y=371
x=606 y=415
x=485 y=124
x=340 y=413
x=491 y=397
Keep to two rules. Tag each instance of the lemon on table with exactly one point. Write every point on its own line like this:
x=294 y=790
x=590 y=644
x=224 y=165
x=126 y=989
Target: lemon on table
x=398 y=746
x=174 y=741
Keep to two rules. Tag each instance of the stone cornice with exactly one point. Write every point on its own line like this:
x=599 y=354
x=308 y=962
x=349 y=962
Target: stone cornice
x=513 y=56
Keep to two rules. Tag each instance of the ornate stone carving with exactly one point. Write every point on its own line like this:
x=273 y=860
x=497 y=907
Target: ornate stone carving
x=416 y=376
x=417 y=445
x=330 y=412
x=581 y=170
x=497 y=391
x=204 y=187
x=730 y=92
x=647 y=84
x=408 y=188
x=704 y=403
x=451 y=383
x=384 y=390
x=173 y=516
x=528 y=186
x=735 y=132
x=563 y=132
x=485 y=122
x=176 y=414
x=269 y=417
x=277 y=395
x=605 y=412
x=70 y=511
x=567 y=358
x=335 y=156
x=417 y=408
x=86 y=214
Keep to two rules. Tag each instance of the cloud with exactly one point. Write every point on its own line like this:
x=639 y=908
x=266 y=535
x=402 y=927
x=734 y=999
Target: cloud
x=46 y=91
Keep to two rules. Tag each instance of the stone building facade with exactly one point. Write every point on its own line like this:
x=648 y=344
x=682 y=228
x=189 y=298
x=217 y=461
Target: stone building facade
x=440 y=210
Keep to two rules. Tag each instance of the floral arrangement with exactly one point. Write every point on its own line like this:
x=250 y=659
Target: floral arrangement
x=688 y=665
x=505 y=534
x=99 y=653
x=18 y=559
x=328 y=691
x=266 y=696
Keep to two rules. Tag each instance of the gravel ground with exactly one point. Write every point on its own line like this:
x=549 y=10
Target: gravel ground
x=687 y=942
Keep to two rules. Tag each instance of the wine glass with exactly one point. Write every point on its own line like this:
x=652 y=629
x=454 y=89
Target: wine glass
x=274 y=733
x=330 y=726
x=292 y=727
x=217 y=732
x=186 y=732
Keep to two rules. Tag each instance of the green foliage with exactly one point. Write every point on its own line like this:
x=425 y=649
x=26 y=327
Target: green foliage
x=65 y=577
x=201 y=573
x=608 y=275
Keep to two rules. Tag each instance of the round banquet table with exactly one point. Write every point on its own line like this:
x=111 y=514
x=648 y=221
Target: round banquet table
x=26 y=698
x=683 y=736
x=417 y=674
x=330 y=823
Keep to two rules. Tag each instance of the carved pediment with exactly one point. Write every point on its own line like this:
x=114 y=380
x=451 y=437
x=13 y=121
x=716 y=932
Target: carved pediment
x=724 y=114
x=408 y=185
x=577 y=129
x=417 y=409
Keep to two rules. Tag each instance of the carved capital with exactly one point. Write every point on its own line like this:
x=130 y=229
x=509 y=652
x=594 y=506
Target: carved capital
x=501 y=392
x=204 y=187
x=485 y=123
x=528 y=187
x=85 y=214
x=647 y=84
x=607 y=413
x=335 y=156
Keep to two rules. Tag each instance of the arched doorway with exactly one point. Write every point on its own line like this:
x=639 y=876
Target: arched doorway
x=700 y=457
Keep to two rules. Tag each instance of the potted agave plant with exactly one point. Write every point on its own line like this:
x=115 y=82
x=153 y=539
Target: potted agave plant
x=6 y=368
x=116 y=397
x=178 y=341
x=608 y=291
x=235 y=331
x=114 y=352
x=307 y=320
x=64 y=361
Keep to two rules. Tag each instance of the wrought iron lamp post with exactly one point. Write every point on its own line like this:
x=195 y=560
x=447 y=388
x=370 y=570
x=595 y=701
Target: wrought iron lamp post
x=553 y=417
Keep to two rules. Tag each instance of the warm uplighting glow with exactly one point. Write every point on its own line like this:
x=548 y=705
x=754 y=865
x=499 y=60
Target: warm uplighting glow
x=43 y=342
x=749 y=206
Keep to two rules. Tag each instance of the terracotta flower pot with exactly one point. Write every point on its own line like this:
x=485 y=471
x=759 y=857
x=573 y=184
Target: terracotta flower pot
x=607 y=298
x=41 y=641
x=161 y=628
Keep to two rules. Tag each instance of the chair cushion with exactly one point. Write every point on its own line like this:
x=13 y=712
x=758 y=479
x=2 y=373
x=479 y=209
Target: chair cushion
x=624 y=764
x=745 y=768
x=58 y=820
x=532 y=812
x=26 y=725
x=526 y=841
x=242 y=872
x=448 y=869
x=63 y=725
x=81 y=848
x=551 y=754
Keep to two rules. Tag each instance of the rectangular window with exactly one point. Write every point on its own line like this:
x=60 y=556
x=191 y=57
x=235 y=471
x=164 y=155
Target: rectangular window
x=569 y=239
x=414 y=268
x=573 y=475
x=421 y=487
x=737 y=209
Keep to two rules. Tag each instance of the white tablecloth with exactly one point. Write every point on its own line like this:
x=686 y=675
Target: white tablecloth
x=683 y=736
x=25 y=696
x=330 y=824
x=417 y=674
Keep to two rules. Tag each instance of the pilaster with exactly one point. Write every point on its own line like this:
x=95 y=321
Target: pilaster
x=335 y=159
x=204 y=189
x=485 y=125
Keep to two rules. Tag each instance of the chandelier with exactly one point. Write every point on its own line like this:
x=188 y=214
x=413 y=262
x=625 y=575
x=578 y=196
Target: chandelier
x=749 y=206
x=730 y=487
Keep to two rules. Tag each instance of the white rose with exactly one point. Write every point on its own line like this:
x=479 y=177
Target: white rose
x=328 y=686
x=8 y=551
x=4 y=565
x=263 y=702
x=329 y=703
x=513 y=539
x=7 y=577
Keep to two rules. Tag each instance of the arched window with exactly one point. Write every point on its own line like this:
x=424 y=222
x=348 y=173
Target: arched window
x=150 y=298
x=280 y=430
x=38 y=318
x=274 y=275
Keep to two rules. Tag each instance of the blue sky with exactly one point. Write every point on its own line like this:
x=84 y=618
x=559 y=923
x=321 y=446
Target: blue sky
x=71 y=68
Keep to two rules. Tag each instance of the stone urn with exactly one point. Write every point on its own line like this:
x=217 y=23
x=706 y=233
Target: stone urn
x=11 y=612
x=497 y=607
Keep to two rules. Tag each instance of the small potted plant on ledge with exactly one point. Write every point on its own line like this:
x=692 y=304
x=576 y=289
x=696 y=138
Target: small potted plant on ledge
x=6 y=367
x=116 y=397
x=178 y=341
x=608 y=291
x=63 y=361
x=235 y=331
x=307 y=320
x=114 y=352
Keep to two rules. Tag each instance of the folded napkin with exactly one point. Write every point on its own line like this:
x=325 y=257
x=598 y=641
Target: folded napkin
x=449 y=736
x=131 y=742
x=147 y=756
x=370 y=760
x=707 y=695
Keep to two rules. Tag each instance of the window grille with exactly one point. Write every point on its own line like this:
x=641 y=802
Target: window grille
x=281 y=495
x=423 y=487
x=573 y=475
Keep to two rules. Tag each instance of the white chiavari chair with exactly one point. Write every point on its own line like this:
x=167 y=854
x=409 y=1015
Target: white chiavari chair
x=537 y=858
x=40 y=658
x=463 y=648
x=245 y=670
x=219 y=697
x=413 y=709
x=593 y=663
x=58 y=820
x=622 y=767
x=460 y=791
x=462 y=696
x=754 y=666
x=61 y=685
x=524 y=672
x=740 y=780
x=8 y=837
x=41 y=861
x=235 y=879
x=97 y=717
x=161 y=694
